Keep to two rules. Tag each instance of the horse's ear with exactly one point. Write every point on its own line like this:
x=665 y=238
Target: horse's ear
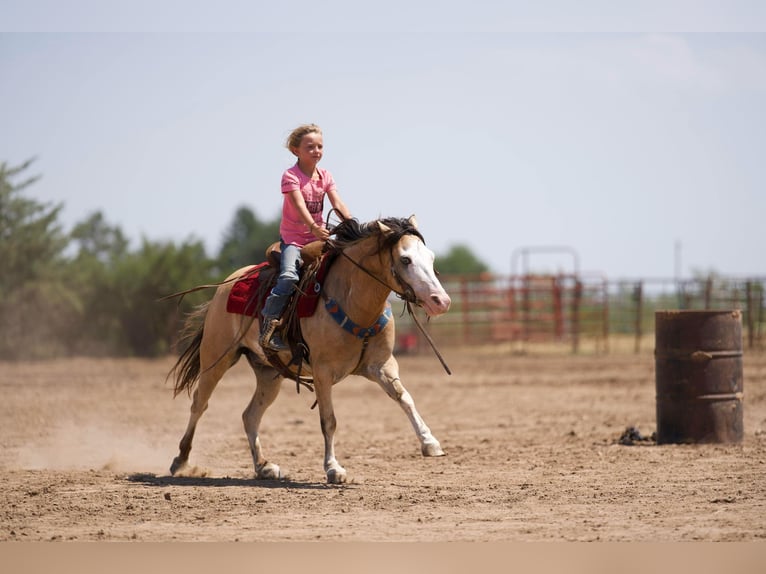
x=413 y=221
x=385 y=229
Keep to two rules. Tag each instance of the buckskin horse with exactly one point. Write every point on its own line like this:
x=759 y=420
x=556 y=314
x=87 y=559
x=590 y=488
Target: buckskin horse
x=351 y=333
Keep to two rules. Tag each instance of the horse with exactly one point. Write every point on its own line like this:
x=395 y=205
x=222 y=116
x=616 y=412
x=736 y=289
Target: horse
x=374 y=259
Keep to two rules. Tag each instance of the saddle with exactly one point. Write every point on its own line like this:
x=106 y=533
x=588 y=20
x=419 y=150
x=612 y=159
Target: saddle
x=309 y=253
x=249 y=294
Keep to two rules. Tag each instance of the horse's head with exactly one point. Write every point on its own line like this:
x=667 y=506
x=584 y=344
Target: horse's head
x=412 y=266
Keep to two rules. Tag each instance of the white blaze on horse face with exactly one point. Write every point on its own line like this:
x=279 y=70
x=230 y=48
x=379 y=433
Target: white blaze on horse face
x=415 y=264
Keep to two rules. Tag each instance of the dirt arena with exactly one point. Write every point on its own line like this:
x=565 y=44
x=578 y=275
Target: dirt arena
x=532 y=445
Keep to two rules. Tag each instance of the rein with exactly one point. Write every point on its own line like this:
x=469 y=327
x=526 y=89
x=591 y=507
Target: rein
x=428 y=338
x=409 y=293
x=183 y=294
x=408 y=296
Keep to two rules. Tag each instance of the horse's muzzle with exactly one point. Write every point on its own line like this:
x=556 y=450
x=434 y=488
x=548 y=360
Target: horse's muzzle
x=436 y=304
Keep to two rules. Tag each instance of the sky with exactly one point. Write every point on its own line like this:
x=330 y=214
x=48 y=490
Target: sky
x=596 y=136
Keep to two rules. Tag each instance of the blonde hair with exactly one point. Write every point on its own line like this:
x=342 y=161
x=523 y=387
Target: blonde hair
x=295 y=137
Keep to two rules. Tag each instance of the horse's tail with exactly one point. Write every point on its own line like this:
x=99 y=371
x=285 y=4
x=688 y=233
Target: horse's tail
x=186 y=371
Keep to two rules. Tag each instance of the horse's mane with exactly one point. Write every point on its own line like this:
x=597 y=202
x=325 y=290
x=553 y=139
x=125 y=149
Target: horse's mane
x=350 y=231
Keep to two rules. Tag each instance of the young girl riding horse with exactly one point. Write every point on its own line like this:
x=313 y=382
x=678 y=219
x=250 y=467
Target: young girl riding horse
x=304 y=187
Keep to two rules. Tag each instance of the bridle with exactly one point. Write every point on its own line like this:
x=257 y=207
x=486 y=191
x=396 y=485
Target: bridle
x=407 y=294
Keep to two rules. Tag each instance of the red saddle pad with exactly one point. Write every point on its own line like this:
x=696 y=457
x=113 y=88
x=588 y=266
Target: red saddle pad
x=243 y=298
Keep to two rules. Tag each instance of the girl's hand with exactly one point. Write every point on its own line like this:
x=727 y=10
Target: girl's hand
x=320 y=232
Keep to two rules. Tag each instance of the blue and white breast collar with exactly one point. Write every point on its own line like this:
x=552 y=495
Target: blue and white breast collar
x=337 y=313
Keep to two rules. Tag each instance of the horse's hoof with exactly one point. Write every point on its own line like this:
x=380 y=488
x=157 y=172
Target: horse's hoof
x=269 y=471
x=336 y=476
x=432 y=449
x=178 y=464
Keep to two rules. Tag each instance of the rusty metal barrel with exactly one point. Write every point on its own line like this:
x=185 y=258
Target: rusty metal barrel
x=698 y=357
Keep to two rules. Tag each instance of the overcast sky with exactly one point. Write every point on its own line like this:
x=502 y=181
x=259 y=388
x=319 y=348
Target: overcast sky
x=618 y=136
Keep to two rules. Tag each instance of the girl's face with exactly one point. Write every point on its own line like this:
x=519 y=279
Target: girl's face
x=309 y=151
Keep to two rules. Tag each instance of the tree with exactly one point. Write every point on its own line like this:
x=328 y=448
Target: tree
x=246 y=240
x=36 y=307
x=30 y=239
x=98 y=240
x=122 y=314
x=101 y=247
x=460 y=261
x=150 y=327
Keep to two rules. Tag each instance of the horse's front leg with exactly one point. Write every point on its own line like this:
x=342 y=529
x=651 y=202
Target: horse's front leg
x=387 y=376
x=336 y=474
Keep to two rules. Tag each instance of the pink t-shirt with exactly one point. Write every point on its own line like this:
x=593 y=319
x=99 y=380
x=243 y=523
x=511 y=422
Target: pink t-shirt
x=292 y=229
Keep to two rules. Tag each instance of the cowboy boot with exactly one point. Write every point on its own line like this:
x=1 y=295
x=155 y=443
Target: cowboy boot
x=272 y=311
x=269 y=338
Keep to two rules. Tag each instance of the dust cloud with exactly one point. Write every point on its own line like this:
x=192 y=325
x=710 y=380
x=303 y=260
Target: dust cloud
x=97 y=445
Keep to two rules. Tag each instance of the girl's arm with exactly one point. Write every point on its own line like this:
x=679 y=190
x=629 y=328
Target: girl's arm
x=296 y=198
x=338 y=204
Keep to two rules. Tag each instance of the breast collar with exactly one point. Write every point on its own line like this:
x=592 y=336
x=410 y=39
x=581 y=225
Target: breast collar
x=337 y=313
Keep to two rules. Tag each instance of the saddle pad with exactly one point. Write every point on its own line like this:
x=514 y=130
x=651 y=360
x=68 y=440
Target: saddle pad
x=307 y=302
x=243 y=298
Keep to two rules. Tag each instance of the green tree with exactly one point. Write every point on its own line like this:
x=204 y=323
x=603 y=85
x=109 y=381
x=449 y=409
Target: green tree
x=36 y=307
x=30 y=238
x=98 y=240
x=246 y=239
x=101 y=247
x=150 y=327
x=122 y=314
x=459 y=260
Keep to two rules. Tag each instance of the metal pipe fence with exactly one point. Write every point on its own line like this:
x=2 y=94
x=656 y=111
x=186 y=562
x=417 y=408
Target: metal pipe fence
x=578 y=312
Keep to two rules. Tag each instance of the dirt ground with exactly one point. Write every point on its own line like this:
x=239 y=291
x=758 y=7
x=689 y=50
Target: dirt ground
x=532 y=445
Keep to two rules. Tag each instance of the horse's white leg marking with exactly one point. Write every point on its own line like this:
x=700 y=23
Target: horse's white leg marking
x=266 y=392
x=388 y=378
x=207 y=383
x=336 y=474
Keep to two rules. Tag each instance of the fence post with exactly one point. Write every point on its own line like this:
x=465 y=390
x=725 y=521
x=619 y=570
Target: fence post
x=760 y=312
x=466 y=304
x=576 y=316
x=605 y=316
x=750 y=314
x=558 y=314
x=639 y=295
x=525 y=308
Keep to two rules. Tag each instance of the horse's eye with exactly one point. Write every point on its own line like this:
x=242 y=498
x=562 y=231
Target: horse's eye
x=405 y=260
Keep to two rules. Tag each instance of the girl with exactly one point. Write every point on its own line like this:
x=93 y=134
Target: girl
x=304 y=187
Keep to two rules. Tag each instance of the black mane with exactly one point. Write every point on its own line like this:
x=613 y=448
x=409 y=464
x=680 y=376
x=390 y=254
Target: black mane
x=350 y=231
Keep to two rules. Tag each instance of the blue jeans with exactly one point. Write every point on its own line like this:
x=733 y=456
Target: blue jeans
x=288 y=277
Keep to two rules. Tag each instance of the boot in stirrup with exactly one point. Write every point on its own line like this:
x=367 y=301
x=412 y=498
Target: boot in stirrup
x=269 y=339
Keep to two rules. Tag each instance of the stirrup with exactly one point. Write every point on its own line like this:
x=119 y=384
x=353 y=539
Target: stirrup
x=267 y=340
x=277 y=344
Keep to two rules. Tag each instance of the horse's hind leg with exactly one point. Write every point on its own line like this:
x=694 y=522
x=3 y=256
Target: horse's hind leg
x=388 y=378
x=266 y=391
x=207 y=382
